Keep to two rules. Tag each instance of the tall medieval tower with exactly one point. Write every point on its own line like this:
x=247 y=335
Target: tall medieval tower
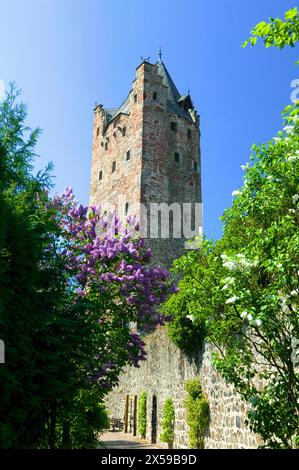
x=146 y=153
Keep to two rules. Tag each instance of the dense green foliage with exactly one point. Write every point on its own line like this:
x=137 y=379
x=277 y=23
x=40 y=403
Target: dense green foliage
x=45 y=341
x=142 y=414
x=277 y=32
x=181 y=309
x=197 y=410
x=22 y=235
x=167 y=424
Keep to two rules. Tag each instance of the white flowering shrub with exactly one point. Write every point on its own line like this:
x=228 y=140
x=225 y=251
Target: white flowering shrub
x=242 y=292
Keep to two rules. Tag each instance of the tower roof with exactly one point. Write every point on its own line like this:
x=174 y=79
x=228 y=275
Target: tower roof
x=124 y=108
x=172 y=92
x=176 y=103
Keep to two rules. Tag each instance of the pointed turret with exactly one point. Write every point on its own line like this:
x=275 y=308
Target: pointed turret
x=173 y=94
x=176 y=103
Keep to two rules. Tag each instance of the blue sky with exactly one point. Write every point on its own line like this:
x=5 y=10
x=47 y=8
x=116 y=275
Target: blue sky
x=67 y=54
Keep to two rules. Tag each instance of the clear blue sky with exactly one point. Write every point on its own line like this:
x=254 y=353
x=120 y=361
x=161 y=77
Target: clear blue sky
x=67 y=54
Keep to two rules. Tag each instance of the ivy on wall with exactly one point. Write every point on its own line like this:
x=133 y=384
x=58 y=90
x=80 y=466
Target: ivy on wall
x=168 y=416
x=197 y=411
x=142 y=414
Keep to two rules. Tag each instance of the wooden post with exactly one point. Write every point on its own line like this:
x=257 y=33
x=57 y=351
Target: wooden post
x=126 y=412
x=135 y=416
x=130 y=414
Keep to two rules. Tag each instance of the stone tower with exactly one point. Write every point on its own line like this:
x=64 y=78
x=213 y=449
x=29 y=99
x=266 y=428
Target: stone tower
x=146 y=153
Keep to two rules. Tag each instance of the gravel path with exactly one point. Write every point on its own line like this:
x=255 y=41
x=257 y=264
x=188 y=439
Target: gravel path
x=121 y=440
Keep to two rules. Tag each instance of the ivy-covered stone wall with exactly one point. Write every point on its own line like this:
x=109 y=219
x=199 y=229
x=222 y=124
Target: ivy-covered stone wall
x=162 y=376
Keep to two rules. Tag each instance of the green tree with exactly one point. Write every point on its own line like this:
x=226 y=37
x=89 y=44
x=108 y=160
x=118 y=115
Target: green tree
x=22 y=234
x=43 y=340
x=260 y=255
x=187 y=328
x=246 y=288
x=277 y=32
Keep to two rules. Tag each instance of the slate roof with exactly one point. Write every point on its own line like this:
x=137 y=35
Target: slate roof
x=173 y=95
x=173 y=98
x=172 y=92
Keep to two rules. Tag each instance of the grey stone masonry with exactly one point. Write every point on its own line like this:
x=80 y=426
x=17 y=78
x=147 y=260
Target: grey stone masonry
x=163 y=375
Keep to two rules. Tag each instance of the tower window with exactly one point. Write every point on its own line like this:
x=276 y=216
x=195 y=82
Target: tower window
x=126 y=208
x=124 y=131
x=98 y=131
x=174 y=126
x=106 y=145
x=128 y=155
x=155 y=95
x=101 y=175
x=102 y=144
x=189 y=133
x=135 y=98
x=177 y=157
x=113 y=166
x=195 y=166
x=114 y=134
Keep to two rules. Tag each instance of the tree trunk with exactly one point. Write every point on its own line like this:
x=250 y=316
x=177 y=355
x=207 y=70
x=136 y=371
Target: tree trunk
x=52 y=427
x=66 y=438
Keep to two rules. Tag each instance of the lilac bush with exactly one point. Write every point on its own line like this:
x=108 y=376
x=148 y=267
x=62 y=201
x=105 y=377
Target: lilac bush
x=109 y=279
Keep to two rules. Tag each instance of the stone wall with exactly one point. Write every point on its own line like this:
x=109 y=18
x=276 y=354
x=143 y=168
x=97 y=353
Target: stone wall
x=121 y=184
x=163 y=375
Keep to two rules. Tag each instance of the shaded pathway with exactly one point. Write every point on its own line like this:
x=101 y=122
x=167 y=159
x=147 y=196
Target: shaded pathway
x=121 y=440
